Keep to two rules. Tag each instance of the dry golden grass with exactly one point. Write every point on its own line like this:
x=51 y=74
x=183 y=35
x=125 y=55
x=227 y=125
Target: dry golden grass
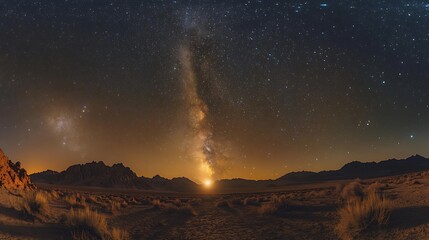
x=352 y=191
x=276 y=206
x=185 y=209
x=113 y=206
x=54 y=194
x=375 y=187
x=90 y=225
x=360 y=215
x=75 y=201
x=91 y=199
x=36 y=204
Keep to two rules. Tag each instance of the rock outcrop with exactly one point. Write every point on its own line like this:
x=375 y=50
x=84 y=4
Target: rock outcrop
x=12 y=176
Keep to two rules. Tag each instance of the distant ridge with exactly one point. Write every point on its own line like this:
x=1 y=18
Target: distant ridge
x=362 y=170
x=98 y=174
x=350 y=170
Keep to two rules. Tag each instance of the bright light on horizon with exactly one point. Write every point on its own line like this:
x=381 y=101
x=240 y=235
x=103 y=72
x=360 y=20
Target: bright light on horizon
x=208 y=183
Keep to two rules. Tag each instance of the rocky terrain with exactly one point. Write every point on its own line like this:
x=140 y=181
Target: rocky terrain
x=295 y=212
x=12 y=176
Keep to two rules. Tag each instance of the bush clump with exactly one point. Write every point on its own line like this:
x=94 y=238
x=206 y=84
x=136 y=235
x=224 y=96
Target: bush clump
x=90 y=225
x=36 y=204
x=276 y=206
x=360 y=215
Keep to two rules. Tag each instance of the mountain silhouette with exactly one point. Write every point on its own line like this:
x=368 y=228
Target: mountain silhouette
x=361 y=170
x=98 y=174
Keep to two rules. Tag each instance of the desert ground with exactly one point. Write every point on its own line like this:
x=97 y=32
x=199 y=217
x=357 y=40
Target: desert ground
x=310 y=211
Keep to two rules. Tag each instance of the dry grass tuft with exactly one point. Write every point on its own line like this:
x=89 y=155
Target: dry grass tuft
x=276 y=206
x=222 y=203
x=254 y=201
x=75 y=201
x=36 y=204
x=87 y=224
x=236 y=201
x=195 y=202
x=375 y=187
x=54 y=194
x=360 y=215
x=185 y=209
x=352 y=191
x=113 y=206
x=92 y=199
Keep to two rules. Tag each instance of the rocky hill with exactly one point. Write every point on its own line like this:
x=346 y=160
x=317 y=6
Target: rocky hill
x=362 y=170
x=98 y=174
x=350 y=170
x=118 y=176
x=12 y=176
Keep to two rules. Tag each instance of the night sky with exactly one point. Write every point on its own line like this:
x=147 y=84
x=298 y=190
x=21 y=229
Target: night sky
x=213 y=89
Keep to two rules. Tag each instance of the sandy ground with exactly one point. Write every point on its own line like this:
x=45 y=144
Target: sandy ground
x=312 y=213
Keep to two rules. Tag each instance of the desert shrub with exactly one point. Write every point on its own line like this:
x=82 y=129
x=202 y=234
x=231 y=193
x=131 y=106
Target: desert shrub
x=54 y=194
x=185 y=209
x=375 y=187
x=91 y=199
x=36 y=204
x=195 y=202
x=123 y=204
x=357 y=216
x=416 y=182
x=145 y=201
x=87 y=224
x=276 y=206
x=320 y=193
x=223 y=203
x=236 y=201
x=112 y=206
x=133 y=201
x=119 y=234
x=75 y=201
x=175 y=201
x=339 y=188
x=115 y=205
x=254 y=201
x=352 y=191
x=156 y=203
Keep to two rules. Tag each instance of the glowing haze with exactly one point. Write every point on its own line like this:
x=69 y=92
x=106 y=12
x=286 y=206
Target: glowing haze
x=201 y=144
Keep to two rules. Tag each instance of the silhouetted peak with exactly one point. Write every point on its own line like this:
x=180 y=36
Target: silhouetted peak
x=352 y=165
x=118 y=165
x=417 y=157
x=157 y=177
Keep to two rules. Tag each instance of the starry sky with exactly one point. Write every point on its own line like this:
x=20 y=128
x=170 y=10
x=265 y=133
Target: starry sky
x=213 y=89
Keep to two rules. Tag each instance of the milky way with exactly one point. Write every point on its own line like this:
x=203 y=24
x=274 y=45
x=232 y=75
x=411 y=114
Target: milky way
x=200 y=146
